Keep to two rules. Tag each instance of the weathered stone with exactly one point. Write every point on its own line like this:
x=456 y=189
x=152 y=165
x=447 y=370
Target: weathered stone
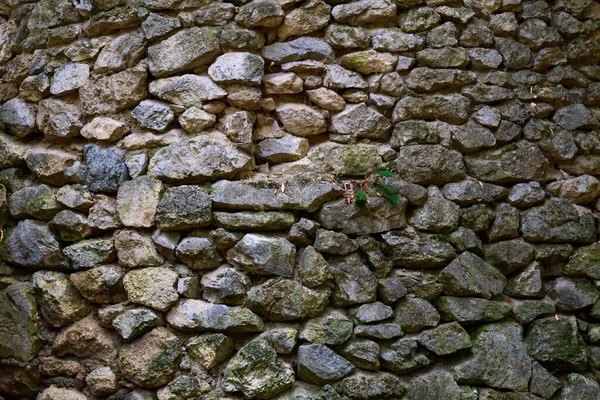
x=572 y=294
x=21 y=336
x=515 y=54
x=237 y=68
x=471 y=309
x=132 y=323
x=445 y=339
x=199 y=316
x=301 y=120
x=152 y=287
x=257 y=372
x=225 y=285
x=30 y=244
x=152 y=360
x=411 y=249
x=332 y=328
x=60 y=302
x=152 y=114
x=435 y=215
x=371 y=312
x=186 y=90
x=449 y=108
x=209 y=156
x=312 y=369
x=116 y=92
x=59 y=118
x=302 y=192
x=19 y=116
x=210 y=349
x=105 y=168
x=413 y=314
x=527 y=283
x=184 y=51
x=137 y=200
x=359 y=120
x=501 y=165
x=370 y=385
x=469 y=275
x=525 y=195
x=103 y=284
x=575 y=116
x=543 y=383
x=260 y=13
x=338 y=77
x=364 y=12
x=136 y=249
x=35 y=202
x=347 y=37
x=104 y=128
x=471 y=191
x=311 y=16
x=354 y=282
x=556 y=342
x=445 y=57
x=509 y=256
x=158 y=25
x=499 y=358
x=285 y=149
x=297 y=50
x=254 y=220
x=369 y=62
x=183 y=207
x=55 y=393
x=264 y=254
x=557 y=220
x=430 y=164
x=54 y=166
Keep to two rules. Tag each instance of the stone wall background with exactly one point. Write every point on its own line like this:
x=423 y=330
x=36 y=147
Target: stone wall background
x=176 y=186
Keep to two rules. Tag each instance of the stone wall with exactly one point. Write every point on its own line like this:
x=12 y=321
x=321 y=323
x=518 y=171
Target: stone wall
x=319 y=199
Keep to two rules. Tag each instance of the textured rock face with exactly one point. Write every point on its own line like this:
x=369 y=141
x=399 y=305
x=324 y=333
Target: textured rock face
x=317 y=199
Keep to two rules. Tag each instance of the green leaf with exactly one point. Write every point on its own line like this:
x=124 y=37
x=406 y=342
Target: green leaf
x=385 y=172
x=392 y=198
x=361 y=198
x=387 y=188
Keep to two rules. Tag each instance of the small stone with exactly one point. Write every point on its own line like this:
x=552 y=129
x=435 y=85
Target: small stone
x=69 y=78
x=297 y=50
x=260 y=13
x=244 y=68
x=19 y=116
x=471 y=309
x=311 y=16
x=186 y=90
x=158 y=25
x=151 y=361
x=137 y=200
x=135 y=249
x=435 y=215
x=363 y=353
x=371 y=312
x=469 y=275
x=445 y=339
x=527 y=283
x=105 y=168
x=364 y=12
x=509 y=256
x=264 y=254
x=184 y=51
x=56 y=393
x=332 y=328
x=430 y=164
x=300 y=120
x=453 y=109
x=60 y=302
x=103 y=284
x=102 y=381
x=152 y=287
x=35 y=202
x=311 y=368
x=152 y=114
x=137 y=321
x=556 y=342
x=572 y=294
x=412 y=249
x=543 y=383
x=104 y=128
x=369 y=62
x=575 y=116
x=225 y=285
x=183 y=207
x=354 y=281
x=515 y=54
x=103 y=214
x=210 y=349
x=523 y=195
x=254 y=220
x=198 y=316
x=347 y=37
x=60 y=117
x=370 y=385
x=445 y=57
x=285 y=149
x=414 y=314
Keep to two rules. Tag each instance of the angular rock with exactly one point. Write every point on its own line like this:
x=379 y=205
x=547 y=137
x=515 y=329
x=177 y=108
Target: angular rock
x=225 y=285
x=371 y=312
x=254 y=220
x=471 y=191
x=297 y=50
x=264 y=254
x=206 y=157
x=332 y=328
x=319 y=364
x=104 y=128
x=152 y=114
x=59 y=117
x=499 y=358
x=471 y=309
x=412 y=249
x=300 y=120
x=435 y=215
x=186 y=90
x=556 y=343
x=120 y=53
x=137 y=200
x=361 y=121
x=363 y=385
x=260 y=13
x=430 y=164
x=35 y=202
x=364 y=12
x=152 y=360
x=152 y=287
x=69 y=78
x=105 y=168
x=572 y=294
x=199 y=316
x=183 y=207
x=285 y=149
x=103 y=284
x=369 y=62
x=240 y=67
x=135 y=322
x=469 y=275
x=453 y=109
x=135 y=249
x=210 y=349
x=354 y=281
x=19 y=116
x=413 y=314
x=445 y=339
x=184 y=51
x=311 y=16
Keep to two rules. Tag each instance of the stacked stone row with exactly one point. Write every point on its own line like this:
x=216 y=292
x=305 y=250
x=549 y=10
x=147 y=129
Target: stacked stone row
x=177 y=186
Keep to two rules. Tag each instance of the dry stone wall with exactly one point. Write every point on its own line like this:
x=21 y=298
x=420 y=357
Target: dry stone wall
x=282 y=199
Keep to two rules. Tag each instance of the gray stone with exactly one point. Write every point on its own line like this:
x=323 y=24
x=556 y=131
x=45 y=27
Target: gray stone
x=260 y=13
x=105 y=168
x=347 y=159
x=509 y=256
x=225 y=285
x=240 y=67
x=152 y=114
x=210 y=156
x=363 y=385
x=471 y=191
x=135 y=249
x=55 y=393
x=557 y=343
x=69 y=78
x=393 y=39
x=319 y=364
x=425 y=79
x=35 y=202
x=354 y=281
x=311 y=16
x=363 y=353
x=445 y=339
x=297 y=50
x=195 y=120
x=151 y=361
x=120 y=53
x=152 y=287
x=30 y=244
x=184 y=51
x=264 y=254
x=360 y=121
x=257 y=372
x=413 y=314
x=449 y=108
x=381 y=331
x=332 y=328
x=338 y=77
x=197 y=253
x=186 y=90
x=469 y=275
x=523 y=195
x=371 y=312
x=543 y=383
x=301 y=120
x=137 y=200
x=285 y=149
x=199 y=316
x=575 y=116
x=210 y=349
x=158 y=25
x=499 y=358
x=347 y=37
x=19 y=116
x=572 y=294
x=435 y=215
x=527 y=283
x=21 y=337
x=513 y=163
x=369 y=62
x=60 y=117
x=471 y=309
x=430 y=164
x=331 y=242
x=60 y=302
x=135 y=322
x=102 y=381
x=557 y=220
x=412 y=249
x=364 y=12
x=183 y=207
x=103 y=284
